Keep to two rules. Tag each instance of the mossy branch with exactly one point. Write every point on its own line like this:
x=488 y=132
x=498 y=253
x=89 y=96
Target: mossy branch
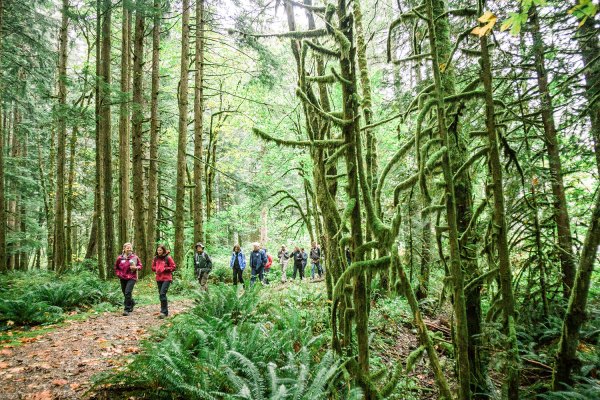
x=323 y=50
x=325 y=143
x=432 y=209
x=363 y=248
x=465 y=96
x=405 y=185
x=298 y=35
x=321 y=78
x=320 y=111
x=340 y=78
x=356 y=268
x=465 y=235
x=482 y=152
x=335 y=155
x=434 y=158
x=416 y=57
x=491 y=273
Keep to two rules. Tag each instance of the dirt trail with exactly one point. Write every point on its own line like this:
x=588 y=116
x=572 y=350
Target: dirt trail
x=59 y=364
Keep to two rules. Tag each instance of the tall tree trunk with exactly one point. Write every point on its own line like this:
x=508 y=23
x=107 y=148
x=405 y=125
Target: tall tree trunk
x=566 y=357
x=154 y=131
x=2 y=186
x=106 y=124
x=124 y=136
x=139 y=226
x=70 y=182
x=561 y=213
x=99 y=195
x=436 y=28
x=198 y=121
x=499 y=220
x=60 y=261
x=182 y=139
x=589 y=47
x=349 y=132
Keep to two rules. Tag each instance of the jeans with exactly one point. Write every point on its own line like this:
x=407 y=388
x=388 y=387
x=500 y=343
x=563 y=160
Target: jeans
x=257 y=271
x=127 y=289
x=315 y=266
x=238 y=275
x=298 y=268
x=163 y=287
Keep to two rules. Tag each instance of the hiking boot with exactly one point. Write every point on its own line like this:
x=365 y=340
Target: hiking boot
x=126 y=313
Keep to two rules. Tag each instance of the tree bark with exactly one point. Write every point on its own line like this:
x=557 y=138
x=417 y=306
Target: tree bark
x=124 y=134
x=566 y=357
x=462 y=333
x=198 y=121
x=105 y=115
x=499 y=220
x=151 y=236
x=99 y=196
x=60 y=261
x=561 y=213
x=71 y=180
x=139 y=226
x=3 y=265
x=182 y=139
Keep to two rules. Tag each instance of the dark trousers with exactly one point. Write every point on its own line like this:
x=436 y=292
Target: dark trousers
x=298 y=268
x=163 y=287
x=257 y=271
x=237 y=275
x=127 y=289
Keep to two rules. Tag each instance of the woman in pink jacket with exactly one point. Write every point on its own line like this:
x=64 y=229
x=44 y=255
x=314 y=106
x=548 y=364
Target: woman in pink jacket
x=126 y=268
x=163 y=265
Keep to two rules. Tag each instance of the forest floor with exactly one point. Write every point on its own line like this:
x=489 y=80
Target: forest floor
x=60 y=363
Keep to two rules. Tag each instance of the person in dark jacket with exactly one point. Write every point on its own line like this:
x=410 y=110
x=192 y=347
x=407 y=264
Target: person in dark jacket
x=237 y=264
x=126 y=268
x=202 y=266
x=315 y=260
x=258 y=260
x=163 y=266
x=298 y=259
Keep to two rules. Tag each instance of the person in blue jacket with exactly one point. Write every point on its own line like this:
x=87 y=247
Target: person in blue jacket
x=237 y=264
x=258 y=260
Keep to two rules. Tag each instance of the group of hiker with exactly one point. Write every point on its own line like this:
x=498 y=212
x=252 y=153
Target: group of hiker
x=128 y=265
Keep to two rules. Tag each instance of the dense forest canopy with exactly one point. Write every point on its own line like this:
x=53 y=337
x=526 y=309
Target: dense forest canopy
x=443 y=153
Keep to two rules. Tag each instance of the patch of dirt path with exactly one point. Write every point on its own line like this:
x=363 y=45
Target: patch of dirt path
x=59 y=364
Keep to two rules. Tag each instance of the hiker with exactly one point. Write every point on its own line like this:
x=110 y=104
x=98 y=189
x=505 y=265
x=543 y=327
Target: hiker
x=267 y=266
x=163 y=265
x=304 y=260
x=315 y=260
x=348 y=256
x=258 y=260
x=126 y=268
x=202 y=266
x=237 y=264
x=297 y=256
x=284 y=259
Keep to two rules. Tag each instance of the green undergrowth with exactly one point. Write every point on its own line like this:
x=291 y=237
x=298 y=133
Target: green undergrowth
x=30 y=298
x=267 y=342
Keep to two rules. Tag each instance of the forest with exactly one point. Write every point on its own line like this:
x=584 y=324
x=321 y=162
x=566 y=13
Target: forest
x=443 y=154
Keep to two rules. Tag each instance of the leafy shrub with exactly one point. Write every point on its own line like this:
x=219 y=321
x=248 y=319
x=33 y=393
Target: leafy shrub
x=23 y=311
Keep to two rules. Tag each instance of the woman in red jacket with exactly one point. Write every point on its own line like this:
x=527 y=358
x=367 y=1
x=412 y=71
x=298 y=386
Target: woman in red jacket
x=163 y=265
x=126 y=268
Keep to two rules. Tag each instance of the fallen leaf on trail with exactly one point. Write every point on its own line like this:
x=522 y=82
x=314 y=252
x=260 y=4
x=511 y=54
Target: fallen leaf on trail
x=75 y=386
x=4 y=365
x=45 y=395
x=5 y=352
x=59 y=382
x=132 y=349
x=29 y=339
